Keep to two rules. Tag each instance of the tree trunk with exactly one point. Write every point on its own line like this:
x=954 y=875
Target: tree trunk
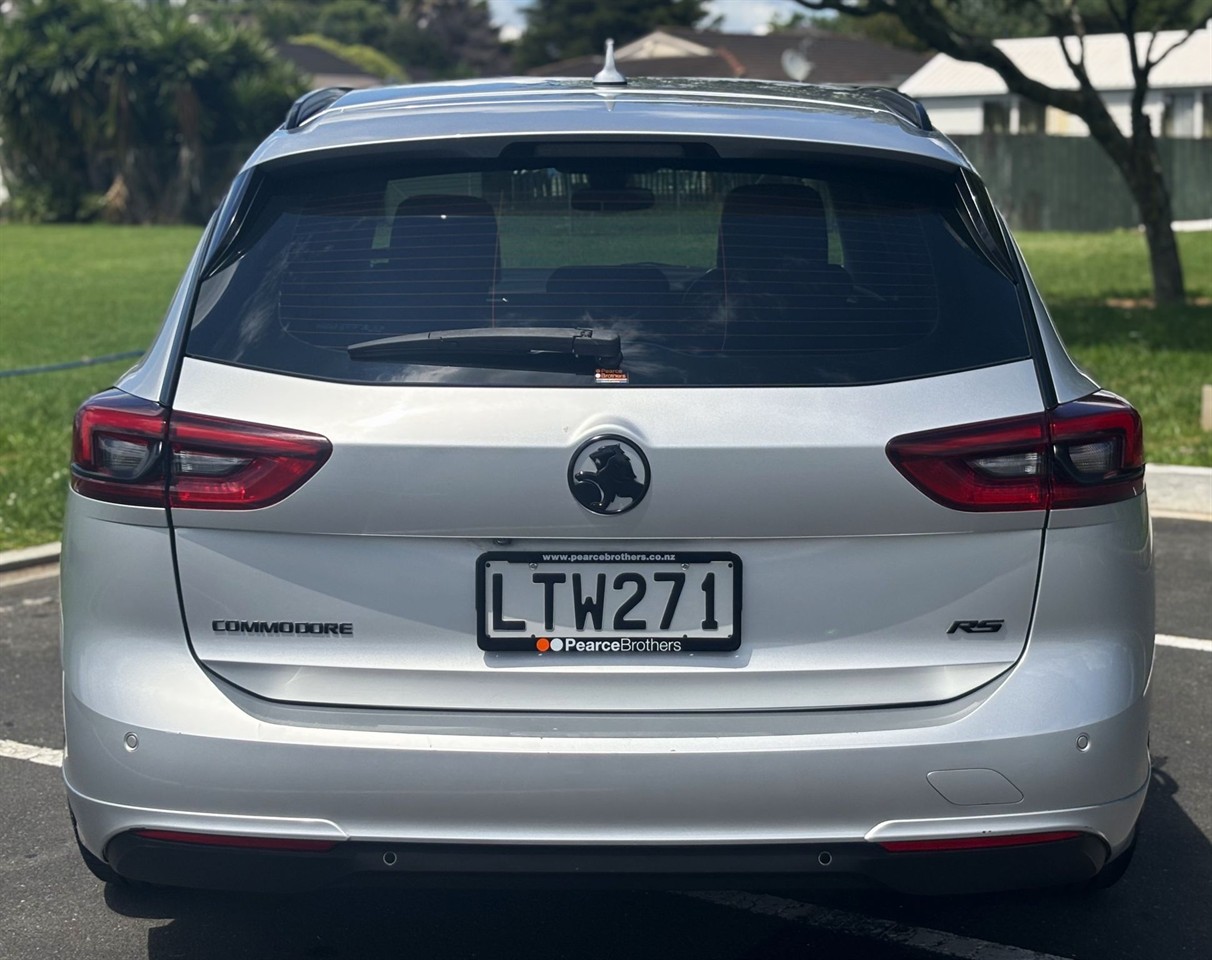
x=1139 y=163
x=1148 y=186
x=1167 y=267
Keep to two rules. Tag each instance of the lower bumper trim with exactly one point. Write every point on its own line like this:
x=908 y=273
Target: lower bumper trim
x=845 y=865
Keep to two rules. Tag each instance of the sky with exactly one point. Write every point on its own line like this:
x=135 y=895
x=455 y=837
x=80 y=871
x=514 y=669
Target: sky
x=740 y=16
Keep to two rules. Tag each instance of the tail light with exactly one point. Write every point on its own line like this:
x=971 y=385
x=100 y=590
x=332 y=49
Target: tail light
x=118 y=449
x=129 y=450
x=1081 y=453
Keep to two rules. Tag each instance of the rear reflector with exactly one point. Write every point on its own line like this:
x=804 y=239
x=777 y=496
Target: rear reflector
x=977 y=843
x=248 y=843
x=129 y=450
x=1081 y=453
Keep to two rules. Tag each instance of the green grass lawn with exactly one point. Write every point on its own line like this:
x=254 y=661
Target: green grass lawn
x=73 y=292
x=1156 y=358
x=67 y=293
x=1095 y=267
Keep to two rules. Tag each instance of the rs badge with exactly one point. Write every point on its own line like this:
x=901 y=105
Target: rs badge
x=976 y=626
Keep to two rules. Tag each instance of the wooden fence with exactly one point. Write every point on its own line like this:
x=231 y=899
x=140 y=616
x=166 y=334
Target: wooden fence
x=1068 y=183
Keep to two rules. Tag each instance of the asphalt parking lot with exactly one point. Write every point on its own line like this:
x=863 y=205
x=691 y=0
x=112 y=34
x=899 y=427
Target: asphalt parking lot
x=50 y=906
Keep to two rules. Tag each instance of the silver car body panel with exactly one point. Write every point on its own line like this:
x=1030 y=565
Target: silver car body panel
x=852 y=576
x=206 y=752
x=1068 y=380
x=151 y=377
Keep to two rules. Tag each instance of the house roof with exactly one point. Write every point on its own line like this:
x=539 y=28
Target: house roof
x=709 y=65
x=835 y=57
x=682 y=52
x=321 y=63
x=1107 y=60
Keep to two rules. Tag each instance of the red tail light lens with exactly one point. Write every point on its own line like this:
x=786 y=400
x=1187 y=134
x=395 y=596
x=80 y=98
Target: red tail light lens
x=226 y=464
x=1099 y=451
x=128 y=450
x=999 y=465
x=117 y=449
x=1081 y=453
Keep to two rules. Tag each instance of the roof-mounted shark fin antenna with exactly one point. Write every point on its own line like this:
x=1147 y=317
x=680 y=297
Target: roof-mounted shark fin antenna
x=609 y=74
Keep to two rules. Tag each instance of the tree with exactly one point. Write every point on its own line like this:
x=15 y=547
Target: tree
x=362 y=56
x=561 y=29
x=51 y=107
x=882 y=28
x=428 y=38
x=966 y=30
x=463 y=29
x=136 y=112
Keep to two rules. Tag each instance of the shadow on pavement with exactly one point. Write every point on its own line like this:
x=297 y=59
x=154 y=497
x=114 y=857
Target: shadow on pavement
x=1159 y=909
x=536 y=925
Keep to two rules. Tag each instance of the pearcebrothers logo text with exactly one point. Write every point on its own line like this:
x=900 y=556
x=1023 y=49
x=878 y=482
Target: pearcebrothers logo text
x=621 y=645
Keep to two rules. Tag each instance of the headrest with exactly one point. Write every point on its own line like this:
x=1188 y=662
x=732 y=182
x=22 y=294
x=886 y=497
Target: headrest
x=446 y=239
x=445 y=205
x=764 y=223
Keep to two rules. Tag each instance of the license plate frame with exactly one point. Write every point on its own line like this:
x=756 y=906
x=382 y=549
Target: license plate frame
x=636 y=562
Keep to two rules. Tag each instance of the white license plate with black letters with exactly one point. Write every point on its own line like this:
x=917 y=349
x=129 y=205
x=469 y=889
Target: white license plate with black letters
x=610 y=601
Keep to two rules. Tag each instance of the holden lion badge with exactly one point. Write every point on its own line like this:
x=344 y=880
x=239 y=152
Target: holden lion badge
x=608 y=475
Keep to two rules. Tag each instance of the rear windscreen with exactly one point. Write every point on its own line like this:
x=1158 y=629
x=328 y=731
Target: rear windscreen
x=706 y=272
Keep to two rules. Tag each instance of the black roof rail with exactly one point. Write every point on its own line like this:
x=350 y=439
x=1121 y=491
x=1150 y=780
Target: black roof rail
x=308 y=105
x=901 y=104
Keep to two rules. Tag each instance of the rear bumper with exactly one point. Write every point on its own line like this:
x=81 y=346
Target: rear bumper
x=680 y=809
x=1057 y=743
x=845 y=865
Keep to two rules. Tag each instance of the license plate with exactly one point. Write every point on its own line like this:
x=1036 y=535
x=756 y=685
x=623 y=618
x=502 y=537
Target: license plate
x=612 y=602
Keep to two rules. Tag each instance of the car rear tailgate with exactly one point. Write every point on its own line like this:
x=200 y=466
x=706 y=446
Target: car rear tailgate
x=853 y=579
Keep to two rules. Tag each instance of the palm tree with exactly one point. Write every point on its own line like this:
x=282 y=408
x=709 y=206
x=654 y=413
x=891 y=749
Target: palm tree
x=138 y=112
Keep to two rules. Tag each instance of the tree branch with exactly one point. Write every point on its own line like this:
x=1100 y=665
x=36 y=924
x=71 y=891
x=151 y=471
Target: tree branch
x=932 y=26
x=1116 y=14
x=1170 y=49
x=1076 y=67
x=937 y=23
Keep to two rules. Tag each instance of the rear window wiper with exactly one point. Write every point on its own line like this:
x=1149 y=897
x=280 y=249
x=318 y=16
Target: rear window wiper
x=562 y=349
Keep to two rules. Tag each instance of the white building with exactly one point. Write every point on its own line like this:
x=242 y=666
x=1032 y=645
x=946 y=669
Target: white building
x=968 y=98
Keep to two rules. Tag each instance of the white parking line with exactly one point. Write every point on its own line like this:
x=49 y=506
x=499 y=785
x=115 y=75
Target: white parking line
x=1186 y=643
x=24 y=751
x=936 y=942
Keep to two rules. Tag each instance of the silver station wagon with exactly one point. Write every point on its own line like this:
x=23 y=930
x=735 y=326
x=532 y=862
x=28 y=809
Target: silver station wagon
x=650 y=481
